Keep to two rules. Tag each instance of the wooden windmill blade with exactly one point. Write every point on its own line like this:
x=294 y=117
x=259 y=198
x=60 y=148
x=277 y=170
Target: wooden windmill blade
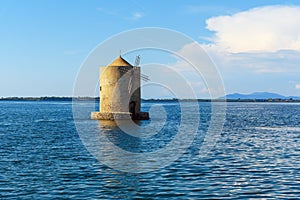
x=137 y=62
x=145 y=77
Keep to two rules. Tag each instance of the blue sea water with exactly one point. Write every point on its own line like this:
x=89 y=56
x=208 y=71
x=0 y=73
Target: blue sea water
x=256 y=156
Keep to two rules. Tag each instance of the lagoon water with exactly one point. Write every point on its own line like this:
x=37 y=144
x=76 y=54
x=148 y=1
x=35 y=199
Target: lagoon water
x=256 y=156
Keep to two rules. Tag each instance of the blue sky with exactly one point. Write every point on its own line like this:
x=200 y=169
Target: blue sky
x=255 y=44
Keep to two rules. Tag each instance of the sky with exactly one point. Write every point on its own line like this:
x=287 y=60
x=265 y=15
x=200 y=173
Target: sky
x=254 y=44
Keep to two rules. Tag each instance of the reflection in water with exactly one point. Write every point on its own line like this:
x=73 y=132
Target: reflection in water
x=107 y=124
x=152 y=144
x=126 y=146
x=110 y=138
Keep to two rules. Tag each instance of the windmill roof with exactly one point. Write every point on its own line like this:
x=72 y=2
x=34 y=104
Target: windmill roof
x=119 y=62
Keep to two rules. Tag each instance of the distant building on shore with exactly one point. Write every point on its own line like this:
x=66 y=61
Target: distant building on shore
x=120 y=92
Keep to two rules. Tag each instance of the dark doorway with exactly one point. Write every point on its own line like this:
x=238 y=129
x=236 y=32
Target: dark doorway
x=132 y=105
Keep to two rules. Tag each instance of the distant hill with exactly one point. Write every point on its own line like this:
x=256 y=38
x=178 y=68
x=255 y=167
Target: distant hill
x=294 y=97
x=260 y=95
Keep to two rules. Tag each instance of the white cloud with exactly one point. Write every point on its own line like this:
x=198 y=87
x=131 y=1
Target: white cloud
x=262 y=40
x=297 y=87
x=259 y=62
x=199 y=71
x=137 y=15
x=269 y=28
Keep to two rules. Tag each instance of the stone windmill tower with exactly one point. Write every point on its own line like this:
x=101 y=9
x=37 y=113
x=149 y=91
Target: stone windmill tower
x=120 y=93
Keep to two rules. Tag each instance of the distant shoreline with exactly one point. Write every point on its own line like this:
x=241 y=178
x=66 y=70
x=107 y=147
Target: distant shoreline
x=277 y=100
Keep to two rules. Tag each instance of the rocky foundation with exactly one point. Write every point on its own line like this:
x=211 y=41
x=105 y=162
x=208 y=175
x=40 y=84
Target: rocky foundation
x=119 y=115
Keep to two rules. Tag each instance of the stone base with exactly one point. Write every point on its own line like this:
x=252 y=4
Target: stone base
x=119 y=115
x=140 y=116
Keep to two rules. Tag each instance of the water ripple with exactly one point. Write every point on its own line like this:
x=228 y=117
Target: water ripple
x=257 y=156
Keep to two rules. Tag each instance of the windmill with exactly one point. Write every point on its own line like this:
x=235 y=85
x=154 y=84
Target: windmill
x=126 y=102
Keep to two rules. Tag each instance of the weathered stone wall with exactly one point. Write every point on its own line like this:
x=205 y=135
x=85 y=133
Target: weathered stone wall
x=110 y=116
x=119 y=115
x=118 y=87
